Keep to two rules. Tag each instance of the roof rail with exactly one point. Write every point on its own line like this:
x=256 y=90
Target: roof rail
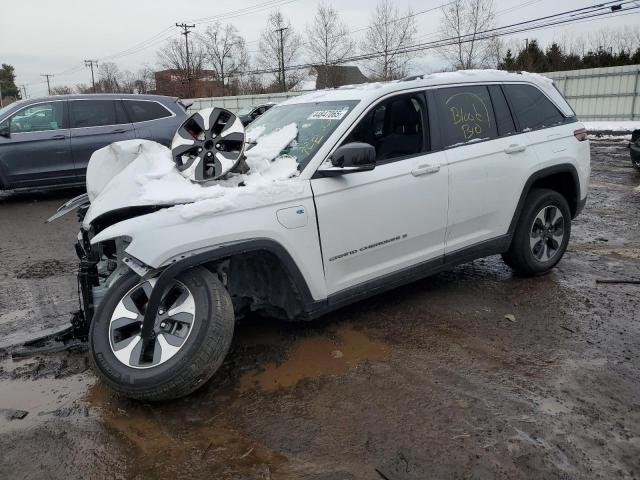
x=411 y=77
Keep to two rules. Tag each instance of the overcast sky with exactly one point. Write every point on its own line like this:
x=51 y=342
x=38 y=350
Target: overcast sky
x=54 y=36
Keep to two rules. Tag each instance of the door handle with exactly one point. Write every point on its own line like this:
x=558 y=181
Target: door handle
x=58 y=137
x=425 y=169
x=515 y=148
x=119 y=130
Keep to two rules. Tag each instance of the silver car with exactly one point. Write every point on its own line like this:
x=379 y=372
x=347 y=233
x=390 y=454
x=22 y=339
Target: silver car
x=48 y=141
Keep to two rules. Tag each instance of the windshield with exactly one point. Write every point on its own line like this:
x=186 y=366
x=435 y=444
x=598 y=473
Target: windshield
x=314 y=121
x=245 y=111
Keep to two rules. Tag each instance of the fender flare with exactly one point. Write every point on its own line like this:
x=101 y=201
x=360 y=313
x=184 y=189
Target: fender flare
x=540 y=174
x=4 y=183
x=217 y=253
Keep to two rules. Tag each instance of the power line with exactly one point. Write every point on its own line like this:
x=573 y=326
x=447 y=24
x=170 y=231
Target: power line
x=243 y=11
x=588 y=13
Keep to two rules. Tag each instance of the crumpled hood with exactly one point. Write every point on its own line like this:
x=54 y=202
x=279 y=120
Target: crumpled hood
x=136 y=173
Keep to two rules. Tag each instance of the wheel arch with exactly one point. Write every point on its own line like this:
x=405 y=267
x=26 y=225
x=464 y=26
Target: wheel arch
x=267 y=260
x=561 y=178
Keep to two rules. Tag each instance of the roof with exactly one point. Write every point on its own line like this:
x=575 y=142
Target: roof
x=372 y=91
x=98 y=96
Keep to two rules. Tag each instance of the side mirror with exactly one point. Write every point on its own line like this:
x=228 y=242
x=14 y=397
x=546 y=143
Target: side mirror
x=350 y=158
x=5 y=130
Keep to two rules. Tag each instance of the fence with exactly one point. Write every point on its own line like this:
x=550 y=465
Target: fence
x=235 y=103
x=610 y=93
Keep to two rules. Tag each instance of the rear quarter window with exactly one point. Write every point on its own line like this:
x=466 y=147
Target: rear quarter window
x=465 y=114
x=142 y=111
x=532 y=108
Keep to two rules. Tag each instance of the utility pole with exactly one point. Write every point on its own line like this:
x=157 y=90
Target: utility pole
x=185 y=31
x=48 y=75
x=91 y=63
x=281 y=66
x=24 y=89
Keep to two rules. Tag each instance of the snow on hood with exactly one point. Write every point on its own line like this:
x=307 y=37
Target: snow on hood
x=146 y=175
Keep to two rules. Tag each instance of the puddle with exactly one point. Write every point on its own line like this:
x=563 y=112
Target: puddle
x=42 y=399
x=314 y=357
x=186 y=437
x=628 y=251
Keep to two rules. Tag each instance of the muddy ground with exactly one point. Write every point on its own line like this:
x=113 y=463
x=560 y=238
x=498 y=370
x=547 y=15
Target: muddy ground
x=427 y=381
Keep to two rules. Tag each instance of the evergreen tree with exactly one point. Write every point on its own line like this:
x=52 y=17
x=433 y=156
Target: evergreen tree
x=7 y=81
x=555 y=57
x=508 y=62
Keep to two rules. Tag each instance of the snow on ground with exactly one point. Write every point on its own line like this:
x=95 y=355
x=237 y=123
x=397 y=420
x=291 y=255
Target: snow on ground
x=142 y=172
x=612 y=126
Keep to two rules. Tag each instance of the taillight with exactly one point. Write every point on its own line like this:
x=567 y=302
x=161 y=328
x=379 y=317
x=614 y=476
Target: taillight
x=581 y=134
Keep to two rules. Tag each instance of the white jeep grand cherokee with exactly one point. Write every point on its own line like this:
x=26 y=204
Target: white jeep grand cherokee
x=349 y=192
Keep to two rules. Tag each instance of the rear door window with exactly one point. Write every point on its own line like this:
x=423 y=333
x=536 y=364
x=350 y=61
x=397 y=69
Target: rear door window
x=93 y=113
x=532 y=108
x=504 y=120
x=142 y=111
x=466 y=114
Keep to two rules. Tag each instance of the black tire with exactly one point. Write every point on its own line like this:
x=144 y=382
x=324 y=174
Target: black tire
x=635 y=158
x=520 y=255
x=197 y=360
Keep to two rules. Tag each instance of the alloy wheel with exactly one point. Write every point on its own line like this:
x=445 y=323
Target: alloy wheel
x=173 y=324
x=547 y=233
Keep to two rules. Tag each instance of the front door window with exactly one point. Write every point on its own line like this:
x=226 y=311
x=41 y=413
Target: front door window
x=38 y=118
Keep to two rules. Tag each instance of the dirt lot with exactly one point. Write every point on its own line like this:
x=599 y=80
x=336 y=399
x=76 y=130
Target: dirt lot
x=427 y=381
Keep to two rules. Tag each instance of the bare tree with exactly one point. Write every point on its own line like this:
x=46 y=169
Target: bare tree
x=109 y=78
x=496 y=49
x=389 y=32
x=462 y=21
x=61 y=90
x=225 y=50
x=83 y=88
x=128 y=82
x=328 y=40
x=145 y=80
x=174 y=57
x=274 y=56
x=250 y=84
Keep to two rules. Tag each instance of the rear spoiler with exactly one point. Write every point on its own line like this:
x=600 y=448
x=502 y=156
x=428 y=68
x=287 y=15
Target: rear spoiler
x=184 y=103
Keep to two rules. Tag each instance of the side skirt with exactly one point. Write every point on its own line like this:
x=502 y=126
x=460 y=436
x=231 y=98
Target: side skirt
x=406 y=275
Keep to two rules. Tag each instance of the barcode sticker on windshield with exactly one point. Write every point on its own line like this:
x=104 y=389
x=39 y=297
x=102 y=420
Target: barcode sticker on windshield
x=327 y=115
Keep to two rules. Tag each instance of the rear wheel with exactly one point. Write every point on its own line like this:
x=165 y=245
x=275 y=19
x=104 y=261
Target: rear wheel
x=193 y=330
x=542 y=233
x=635 y=158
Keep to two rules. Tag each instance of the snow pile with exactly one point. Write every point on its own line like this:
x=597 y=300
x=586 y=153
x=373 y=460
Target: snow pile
x=612 y=126
x=107 y=162
x=146 y=175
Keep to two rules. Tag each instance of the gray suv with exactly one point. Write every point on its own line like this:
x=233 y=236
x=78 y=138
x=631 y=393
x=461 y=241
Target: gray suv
x=48 y=141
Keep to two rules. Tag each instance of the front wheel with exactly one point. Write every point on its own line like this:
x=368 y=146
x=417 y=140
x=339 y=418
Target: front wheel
x=542 y=233
x=193 y=331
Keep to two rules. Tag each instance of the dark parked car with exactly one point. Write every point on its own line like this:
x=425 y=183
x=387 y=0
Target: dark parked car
x=635 y=149
x=48 y=141
x=249 y=114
